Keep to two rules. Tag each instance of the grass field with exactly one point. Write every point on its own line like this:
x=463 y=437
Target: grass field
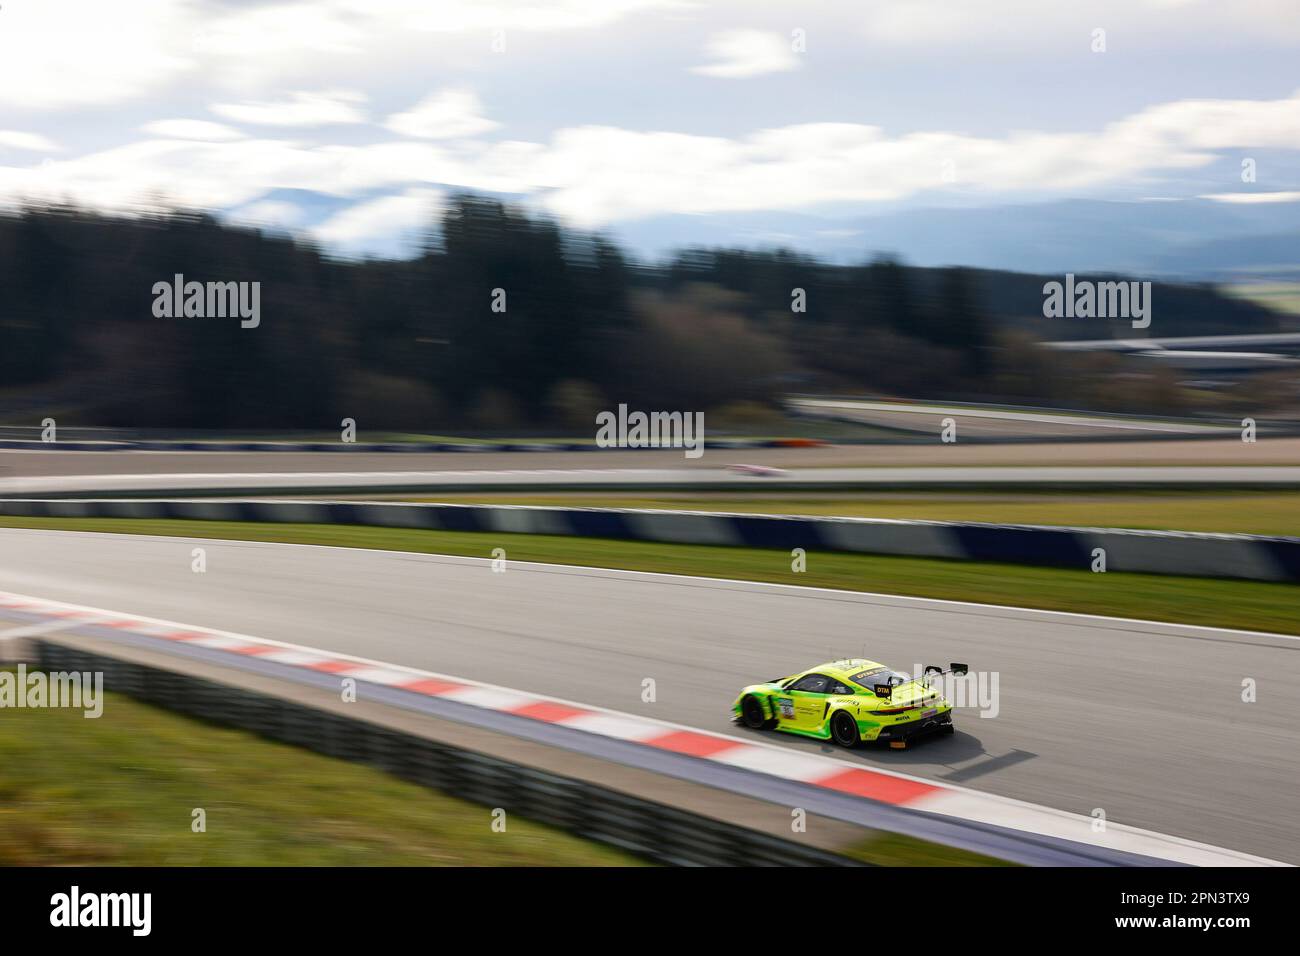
x=894 y=849
x=1251 y=605
x=1279 y=296
x=121 y=790
x=1247 y=512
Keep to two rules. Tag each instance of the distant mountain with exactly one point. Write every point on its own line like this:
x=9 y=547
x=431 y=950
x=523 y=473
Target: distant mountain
x=1193 y=239
x=1189 y=239
x=1272 y=256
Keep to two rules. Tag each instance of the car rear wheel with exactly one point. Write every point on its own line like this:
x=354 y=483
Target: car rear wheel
x=753 y=715
x=844 y=729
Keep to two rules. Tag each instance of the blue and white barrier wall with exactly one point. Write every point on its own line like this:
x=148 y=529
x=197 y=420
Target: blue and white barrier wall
x=1252 y=557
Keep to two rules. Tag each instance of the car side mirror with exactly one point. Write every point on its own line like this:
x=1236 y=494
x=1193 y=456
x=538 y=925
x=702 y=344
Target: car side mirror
x=958 y=669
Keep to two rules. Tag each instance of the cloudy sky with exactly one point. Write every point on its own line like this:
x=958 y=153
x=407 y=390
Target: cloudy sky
x=351 y=119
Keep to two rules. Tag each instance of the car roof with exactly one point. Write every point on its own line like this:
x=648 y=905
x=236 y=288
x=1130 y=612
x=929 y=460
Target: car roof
x=844 y=669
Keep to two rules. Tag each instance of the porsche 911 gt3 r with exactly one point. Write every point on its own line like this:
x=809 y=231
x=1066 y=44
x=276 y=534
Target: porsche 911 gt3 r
x=848 y=702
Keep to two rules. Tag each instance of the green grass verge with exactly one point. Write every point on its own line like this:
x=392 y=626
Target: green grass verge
x=120 y=790
x=1279 y=296
x=894 y=849
x=1232 y=512
x=1252 y=605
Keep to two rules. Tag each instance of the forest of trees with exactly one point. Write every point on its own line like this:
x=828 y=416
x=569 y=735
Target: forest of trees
x=416 y=344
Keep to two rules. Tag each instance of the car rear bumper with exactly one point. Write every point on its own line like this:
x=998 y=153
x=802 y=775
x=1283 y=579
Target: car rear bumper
x=921 y=727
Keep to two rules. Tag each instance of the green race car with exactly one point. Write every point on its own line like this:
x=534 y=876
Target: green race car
x=848 y=702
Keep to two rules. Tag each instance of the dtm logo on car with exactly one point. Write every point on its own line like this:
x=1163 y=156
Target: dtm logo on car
x=977 y=689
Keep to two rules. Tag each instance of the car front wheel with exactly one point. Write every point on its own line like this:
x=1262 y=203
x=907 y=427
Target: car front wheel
x=751 y=712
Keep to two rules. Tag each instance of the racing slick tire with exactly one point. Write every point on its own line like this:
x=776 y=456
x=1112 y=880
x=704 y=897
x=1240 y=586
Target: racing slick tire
x=753 y=716
x=844 y=729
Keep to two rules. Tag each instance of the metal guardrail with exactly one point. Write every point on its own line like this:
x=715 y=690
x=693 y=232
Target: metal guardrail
x=652 y=830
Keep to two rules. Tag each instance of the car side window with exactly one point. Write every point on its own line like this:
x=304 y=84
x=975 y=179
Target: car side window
x=840 y=689
x=812 y=684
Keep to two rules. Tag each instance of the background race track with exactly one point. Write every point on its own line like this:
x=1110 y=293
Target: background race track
x=1233 y=452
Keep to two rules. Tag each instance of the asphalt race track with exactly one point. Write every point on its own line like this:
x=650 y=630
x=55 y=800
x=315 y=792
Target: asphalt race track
x=1144 y=721
x=1269 y=450
x=999 y=423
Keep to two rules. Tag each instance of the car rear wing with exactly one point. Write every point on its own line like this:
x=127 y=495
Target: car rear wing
x=886 y=691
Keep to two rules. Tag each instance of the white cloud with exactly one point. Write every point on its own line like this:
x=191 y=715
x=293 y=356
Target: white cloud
x=745 y=53
x=33 y=142
x=460 y=16
x=275 y=213
x=1032 y=25
x=78 y=53
x=209 y=175
x=300 y=109
x=192 y=129
x=384 y=218
x=594 y=175
x=1253 y=197
x=87 y=52
x=284 y=29
x=254 y=46
x=446 y=114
